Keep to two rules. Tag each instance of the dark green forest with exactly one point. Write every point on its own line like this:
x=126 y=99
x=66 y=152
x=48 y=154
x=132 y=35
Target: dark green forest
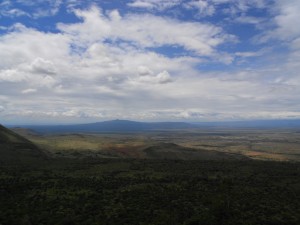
x=129 y=191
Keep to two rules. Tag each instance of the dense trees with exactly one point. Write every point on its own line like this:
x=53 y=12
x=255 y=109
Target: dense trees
x=151 y=192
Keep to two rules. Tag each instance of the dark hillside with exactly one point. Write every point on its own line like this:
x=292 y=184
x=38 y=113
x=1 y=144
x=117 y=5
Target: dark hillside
x=15 y=149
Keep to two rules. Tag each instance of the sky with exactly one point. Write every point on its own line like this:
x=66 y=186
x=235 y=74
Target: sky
x=77 y=61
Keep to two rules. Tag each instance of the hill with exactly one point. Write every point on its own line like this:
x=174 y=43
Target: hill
x=15 y=149
x=112 y=126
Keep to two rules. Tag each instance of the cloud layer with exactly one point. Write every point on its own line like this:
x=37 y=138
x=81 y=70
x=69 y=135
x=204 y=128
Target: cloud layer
x=110 y=64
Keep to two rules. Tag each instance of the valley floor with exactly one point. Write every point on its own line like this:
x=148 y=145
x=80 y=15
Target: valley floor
x=236 y=143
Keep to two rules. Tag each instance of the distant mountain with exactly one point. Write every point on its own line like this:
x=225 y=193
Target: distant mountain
x=15 y=149
x=133 y=126
x=112 y=126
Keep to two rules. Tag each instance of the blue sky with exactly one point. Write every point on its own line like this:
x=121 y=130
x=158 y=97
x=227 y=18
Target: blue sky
x=149 y=60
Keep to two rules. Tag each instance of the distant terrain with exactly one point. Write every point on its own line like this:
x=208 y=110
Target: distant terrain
x=134 y=126
x=207 y=143
x=112 y=126
x=256 y=124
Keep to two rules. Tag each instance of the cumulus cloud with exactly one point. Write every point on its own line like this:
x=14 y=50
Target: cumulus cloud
x=42 y=66
x=51 y=9
x=235 y=7
x=144 y=71
x=249 y=20
x=251 y=54
x=164 y=77
x=205 y=8
x=108 y=66
x=12 y=75
x=161 y=78
x=38 y=8
x=13 y=13
x=34 y=60
x=28 y=91
x=296 y=44
x=7 y=10
x=142 y=4
x=146 y=31
x=24 y=44
x=285 y=21
x=285 y=13
x=154 y=4
x=287 y=34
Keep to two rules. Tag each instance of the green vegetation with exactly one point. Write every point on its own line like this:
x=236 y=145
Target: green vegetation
x=119 y=191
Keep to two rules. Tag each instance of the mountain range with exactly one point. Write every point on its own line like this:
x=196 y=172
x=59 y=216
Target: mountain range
x=112 y=126
x=134 y=126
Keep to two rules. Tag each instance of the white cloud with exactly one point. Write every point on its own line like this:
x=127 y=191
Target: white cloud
x=249 y=20
x=115 y=15
x=95 y=26
x=106 y=67
x=5 y=3
x=144 y=71
x=164 y=77
x=13 y=13
x=147 y=31
x=285 y=21
x=23 y=45
x=205 y=8
x=287 y=35
x=296 y=44
x=154 y=4
x=47 y=81
x=142 y=4
x=235 y=7
x=28 y=91
x=44 y=8
x=161 y=78
x=11 y=75
x=249 y=54
x=285 y=13
x=42 y=66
